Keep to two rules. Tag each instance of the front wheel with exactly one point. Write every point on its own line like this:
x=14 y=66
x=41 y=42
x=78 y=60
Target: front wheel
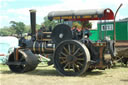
x=27 y=61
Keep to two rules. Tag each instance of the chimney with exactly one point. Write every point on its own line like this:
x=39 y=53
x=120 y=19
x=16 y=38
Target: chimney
x=33 y=21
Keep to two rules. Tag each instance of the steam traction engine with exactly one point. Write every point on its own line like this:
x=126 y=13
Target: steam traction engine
x=71 y=57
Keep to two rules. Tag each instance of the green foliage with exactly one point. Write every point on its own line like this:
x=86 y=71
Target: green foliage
x=19 y=27
x=76 y=24
x=38 y=26
x=89 y=25
x=49 y=23
x=15 y=28
x=6 y=31
x=27 y=29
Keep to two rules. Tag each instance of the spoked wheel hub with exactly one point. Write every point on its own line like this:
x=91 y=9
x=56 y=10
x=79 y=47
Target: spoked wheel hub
x=71 y=58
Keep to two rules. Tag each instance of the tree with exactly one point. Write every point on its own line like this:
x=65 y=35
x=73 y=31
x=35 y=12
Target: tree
x=19 y=27
x=5 y=31
x=49 y=23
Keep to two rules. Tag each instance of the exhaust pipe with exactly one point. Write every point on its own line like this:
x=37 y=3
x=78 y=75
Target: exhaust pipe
x=33 y=21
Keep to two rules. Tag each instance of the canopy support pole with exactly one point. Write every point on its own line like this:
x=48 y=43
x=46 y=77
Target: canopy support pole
x=115 y=23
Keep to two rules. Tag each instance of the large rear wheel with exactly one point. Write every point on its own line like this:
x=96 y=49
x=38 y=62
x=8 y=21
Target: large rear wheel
x=71 y=58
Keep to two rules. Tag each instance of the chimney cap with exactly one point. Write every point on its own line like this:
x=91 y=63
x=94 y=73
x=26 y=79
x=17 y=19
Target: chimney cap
x=32 y=10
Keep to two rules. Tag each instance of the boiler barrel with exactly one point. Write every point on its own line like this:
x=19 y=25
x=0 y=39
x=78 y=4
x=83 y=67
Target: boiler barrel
x=42 y=47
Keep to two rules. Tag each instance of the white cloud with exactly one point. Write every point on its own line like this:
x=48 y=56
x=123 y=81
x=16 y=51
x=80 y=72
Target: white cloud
x=65 y=5
x=7 y=19
x=81 y=4
x=4 y=19
x=23 y=13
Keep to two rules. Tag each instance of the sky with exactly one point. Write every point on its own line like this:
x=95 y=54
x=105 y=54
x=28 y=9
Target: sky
x=18 y=10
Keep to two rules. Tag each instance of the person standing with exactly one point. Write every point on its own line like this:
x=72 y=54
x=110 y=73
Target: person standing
x=40 y=32
x=43 y=29
x=86 y=26
x=75 y=32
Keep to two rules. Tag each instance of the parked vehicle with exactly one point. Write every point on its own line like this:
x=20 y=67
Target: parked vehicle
x=70 y=55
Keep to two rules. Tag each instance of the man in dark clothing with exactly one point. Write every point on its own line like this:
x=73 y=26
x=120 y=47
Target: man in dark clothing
x=40 y=32
x=74 y=32
x=86 y=25
x=50 y=29
x=87 y=32
x=43 y=29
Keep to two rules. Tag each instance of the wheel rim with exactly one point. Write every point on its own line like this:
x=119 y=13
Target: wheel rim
x=70 y=58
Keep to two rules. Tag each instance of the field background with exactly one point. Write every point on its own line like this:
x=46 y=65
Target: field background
x=49 y=76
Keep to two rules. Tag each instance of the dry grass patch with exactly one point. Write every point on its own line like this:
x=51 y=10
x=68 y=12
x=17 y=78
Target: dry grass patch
x=49 y=76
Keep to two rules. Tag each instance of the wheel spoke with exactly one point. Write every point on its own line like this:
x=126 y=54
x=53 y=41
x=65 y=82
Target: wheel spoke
x=73 y=67
x=80 y=63
x=63 y=58
x=69 y=49
x=66 y=50
x=76 y=52
x=63 y=62
x=73 y=49
x=66 y=65
x=81 y=59
x=63 y=54
x=80 y=54
x=77 y=67
x=69 y=67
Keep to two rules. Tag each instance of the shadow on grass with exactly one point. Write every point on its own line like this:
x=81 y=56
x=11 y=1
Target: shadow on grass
x=53 y=72
x=41 y=72
x=7 y=72
x=36 y=72
x=44 y=72
x=124 y=80
x=119 y=66
x=93 y=73
x=50 y=71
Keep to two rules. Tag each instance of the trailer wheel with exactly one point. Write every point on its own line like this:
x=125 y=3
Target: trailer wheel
x=71 y=58
x=27 y=61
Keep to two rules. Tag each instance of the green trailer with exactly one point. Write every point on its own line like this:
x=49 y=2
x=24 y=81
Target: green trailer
x=122 y=30
x=94 y=35
x=107 y=29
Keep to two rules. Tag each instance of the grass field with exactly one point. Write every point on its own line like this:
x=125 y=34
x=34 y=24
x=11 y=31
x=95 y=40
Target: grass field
x=48 y=76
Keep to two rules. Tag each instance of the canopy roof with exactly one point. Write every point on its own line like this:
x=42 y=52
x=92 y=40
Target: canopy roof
x=82 y=15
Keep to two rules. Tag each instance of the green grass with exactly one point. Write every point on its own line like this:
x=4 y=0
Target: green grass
x=3 y=67
x=43 y=75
